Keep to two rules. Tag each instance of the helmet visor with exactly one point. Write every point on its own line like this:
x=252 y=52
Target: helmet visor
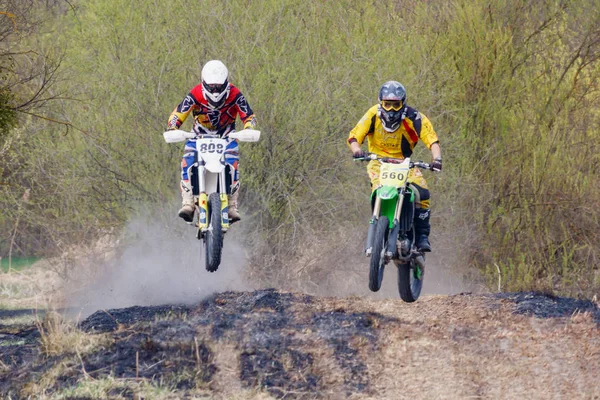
x=215 y=88
x=389 y=105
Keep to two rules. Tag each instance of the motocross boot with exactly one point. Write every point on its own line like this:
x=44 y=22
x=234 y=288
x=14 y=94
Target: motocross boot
x=234 y=214
x=187 y=210
x=422 y=229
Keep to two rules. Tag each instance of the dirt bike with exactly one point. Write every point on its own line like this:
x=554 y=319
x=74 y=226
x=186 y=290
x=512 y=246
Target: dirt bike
x=391 y=235
x=209 y=182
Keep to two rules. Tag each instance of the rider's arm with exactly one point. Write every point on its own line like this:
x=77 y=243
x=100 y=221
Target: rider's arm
x=430 y=139
x=181 y=112
x=250 y=122
x=428 y=135
x=354 y=147
x=362 y=129
x=243 y=108
x=436 y=151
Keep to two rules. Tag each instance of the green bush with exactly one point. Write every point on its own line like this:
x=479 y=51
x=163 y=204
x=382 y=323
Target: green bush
x=511 y=88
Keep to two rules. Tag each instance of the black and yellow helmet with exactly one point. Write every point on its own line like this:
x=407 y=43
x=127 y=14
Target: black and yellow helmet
x=392 y=102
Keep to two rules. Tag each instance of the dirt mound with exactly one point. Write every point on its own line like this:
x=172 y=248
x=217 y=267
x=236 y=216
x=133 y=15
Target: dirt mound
x=288 y=345
x=549 y=306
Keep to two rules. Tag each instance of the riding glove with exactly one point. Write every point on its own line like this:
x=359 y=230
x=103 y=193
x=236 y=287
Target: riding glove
x=359 y=154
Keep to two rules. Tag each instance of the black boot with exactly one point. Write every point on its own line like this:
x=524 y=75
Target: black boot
x=422 y=229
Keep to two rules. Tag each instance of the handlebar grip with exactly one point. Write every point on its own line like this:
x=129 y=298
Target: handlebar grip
x=366 y=157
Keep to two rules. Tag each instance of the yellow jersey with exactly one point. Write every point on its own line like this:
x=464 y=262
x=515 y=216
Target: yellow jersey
x=397 y=144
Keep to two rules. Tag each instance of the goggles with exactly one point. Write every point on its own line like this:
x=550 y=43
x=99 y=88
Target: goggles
x=215 y=88
x=389 y=105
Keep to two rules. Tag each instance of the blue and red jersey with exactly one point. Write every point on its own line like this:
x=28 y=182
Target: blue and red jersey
x=215 y=121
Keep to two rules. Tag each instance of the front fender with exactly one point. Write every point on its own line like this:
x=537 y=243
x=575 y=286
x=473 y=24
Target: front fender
x=387 y=192
x=214 y=166
x=389 y=200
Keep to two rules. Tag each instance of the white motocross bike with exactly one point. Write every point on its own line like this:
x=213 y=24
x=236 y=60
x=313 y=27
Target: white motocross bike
x=209 y=188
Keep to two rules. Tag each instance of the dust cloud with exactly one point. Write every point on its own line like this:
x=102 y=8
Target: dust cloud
x=335 y=265
x=441 y=278
x=158 y=263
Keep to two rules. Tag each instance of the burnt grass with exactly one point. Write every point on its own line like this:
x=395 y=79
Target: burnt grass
x=280 y=340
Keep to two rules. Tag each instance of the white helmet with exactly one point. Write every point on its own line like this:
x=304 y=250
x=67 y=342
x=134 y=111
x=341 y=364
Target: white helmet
x=215 y=86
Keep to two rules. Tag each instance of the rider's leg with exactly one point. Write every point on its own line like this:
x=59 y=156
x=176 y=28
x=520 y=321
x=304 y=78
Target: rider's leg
x=373 y=168
x=232 y=159
x=422 y=211
x=422 y=229
x=187 y=201
x=187 y=195
x=232 y=199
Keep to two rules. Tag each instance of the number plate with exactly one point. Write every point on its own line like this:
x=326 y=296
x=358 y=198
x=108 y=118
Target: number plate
x=393 y=174
x=211 y=146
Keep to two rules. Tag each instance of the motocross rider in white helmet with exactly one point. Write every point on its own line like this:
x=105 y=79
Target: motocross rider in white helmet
x=215 y=104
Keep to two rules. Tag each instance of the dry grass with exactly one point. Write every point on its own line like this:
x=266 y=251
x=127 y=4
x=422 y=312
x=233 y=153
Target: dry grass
x=441 y=347
x=464 y=350
x=35 y=287
x=59 y=335
x=142 y=389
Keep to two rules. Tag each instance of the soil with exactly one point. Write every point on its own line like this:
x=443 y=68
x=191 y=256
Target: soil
x=296 y=346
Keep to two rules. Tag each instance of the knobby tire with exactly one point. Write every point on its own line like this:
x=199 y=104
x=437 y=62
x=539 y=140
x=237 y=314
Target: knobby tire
x=377 y=264
x=213 y=241
x=409 y=290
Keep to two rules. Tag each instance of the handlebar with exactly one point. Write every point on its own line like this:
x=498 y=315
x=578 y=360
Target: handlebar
x=391 y=160
x=177 y=135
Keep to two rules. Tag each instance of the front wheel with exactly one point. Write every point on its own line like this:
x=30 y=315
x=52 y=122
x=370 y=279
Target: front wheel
x=378 y=255
x=213 y=238
x=410 y=281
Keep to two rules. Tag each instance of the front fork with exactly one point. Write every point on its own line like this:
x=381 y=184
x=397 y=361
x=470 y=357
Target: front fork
x=203 y=211
x=372 y=227
x=202 y=200
x=224 y=201
x=393 y=235
x=203 y=215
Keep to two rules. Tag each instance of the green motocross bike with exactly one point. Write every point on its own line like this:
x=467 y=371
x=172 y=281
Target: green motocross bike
x=391 y=235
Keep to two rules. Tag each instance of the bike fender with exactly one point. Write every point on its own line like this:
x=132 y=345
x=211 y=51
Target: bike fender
x=214 y=166
x=387 y=192
x=388 y=206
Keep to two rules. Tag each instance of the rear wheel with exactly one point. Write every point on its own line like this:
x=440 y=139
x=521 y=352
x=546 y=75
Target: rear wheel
x=378 y=255
x=410 y=281
x=213 y=238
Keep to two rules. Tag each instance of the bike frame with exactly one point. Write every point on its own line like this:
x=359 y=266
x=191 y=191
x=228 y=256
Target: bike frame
x=391 y=225
x=210 y=187
x=210 y=162
x=388 y=198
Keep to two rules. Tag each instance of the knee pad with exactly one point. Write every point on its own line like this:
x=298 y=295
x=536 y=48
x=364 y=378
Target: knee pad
x=422 y=196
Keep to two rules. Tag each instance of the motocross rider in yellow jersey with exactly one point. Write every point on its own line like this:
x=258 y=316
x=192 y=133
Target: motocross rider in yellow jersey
x=393 y=129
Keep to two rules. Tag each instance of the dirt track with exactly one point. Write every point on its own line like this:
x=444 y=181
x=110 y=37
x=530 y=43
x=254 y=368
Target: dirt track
x=286 y=345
